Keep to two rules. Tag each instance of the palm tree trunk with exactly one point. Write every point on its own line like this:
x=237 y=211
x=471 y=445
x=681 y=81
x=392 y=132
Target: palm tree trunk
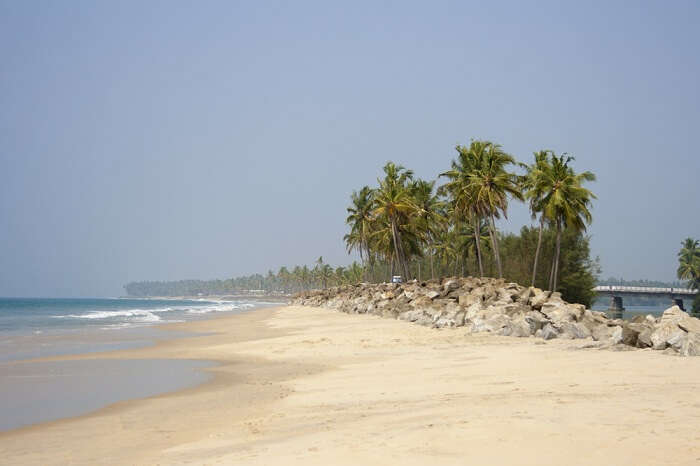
x=551 y=271
x=403 y=263
x=477 y=239
x=432 y=267
x=556 y=263
x=419 y=277
x=537 y=251
x=394 y=235
x=494 y=242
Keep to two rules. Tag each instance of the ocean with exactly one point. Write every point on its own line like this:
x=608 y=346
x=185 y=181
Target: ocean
x=39 y=391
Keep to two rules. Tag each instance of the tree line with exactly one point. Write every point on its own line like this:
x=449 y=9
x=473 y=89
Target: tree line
x=404 y=219
x=422 y=229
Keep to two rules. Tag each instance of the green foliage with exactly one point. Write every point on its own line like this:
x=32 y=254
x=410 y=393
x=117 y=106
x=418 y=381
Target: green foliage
x=406 y=226
x=689 y=262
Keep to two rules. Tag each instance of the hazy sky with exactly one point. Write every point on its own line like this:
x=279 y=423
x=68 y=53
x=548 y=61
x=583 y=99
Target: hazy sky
x=169 y=140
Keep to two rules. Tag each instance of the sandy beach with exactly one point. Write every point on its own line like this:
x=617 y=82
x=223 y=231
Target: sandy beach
x=297 y=385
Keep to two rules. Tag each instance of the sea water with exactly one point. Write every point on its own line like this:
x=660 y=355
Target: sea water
x=38 y=391
x=40 y=327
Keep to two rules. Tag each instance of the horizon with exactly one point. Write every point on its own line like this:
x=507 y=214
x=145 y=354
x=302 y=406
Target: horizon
x=164 y=141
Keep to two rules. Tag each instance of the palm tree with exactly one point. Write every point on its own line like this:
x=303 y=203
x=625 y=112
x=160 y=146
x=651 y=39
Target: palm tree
x=429 y=216
x=458 y=188
x=354 y=272
x=360 y=221
x=491 y=185
x=565 y=202
x=534 y=193
x=470 y=238
x=689 y=262
x=393 y=202
x=325 y=274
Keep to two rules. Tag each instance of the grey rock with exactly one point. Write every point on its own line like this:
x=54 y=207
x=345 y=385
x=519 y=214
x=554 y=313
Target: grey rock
x=691 y=345
x=549 y=332
x=665 y=332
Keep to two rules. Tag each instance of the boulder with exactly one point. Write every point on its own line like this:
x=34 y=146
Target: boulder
x=450 y=285
x=665 y=332
x=573 y=330
x=548 y=332
x=691 y=345
x=673 y=314
x=450 y=319
x=467 y=300
x=644 y=338
x=690 y=324
x=626 y=334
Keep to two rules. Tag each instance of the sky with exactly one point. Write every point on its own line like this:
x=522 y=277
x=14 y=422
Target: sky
x=172 y=140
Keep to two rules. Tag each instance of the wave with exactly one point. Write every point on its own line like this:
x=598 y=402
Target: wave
x=224 y=307
x=151 y=315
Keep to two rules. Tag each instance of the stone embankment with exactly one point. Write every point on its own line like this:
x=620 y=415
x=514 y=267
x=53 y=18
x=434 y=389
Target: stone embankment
x=491 y=305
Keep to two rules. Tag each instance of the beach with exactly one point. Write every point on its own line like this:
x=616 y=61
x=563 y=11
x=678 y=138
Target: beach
x=303 y=385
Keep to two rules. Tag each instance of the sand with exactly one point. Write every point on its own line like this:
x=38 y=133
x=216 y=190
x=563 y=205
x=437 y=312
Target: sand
x=315 y=387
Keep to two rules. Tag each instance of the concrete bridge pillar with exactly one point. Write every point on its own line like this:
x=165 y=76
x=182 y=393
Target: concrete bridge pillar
x=616 y=308
x=678 y=302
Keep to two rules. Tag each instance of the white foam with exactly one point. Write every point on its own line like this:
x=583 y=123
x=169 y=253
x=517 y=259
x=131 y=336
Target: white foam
x=151 y=315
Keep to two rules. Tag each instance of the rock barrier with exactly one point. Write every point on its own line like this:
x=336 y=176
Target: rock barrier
x=496 y=306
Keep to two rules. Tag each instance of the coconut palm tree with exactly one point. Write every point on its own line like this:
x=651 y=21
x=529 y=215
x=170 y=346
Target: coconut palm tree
x=393 y=201
x=689 y=262
x=360 y=221
x=534 y=193
x=459 y=190
x=471 y=238
x=565 y=202
x=429 y=216
x=354 y=272
x=492 y=184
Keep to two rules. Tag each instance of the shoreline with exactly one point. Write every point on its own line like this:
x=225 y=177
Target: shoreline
x=303 y=385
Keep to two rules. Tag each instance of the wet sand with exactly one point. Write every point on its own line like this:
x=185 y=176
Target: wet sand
x=311 y=386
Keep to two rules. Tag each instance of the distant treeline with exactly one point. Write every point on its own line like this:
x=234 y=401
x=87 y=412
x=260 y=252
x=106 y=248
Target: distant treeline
x=196 y=287
x=577 y=270
x=651 y=283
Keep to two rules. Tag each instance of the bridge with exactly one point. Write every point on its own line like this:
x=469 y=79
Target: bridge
x=675 y=295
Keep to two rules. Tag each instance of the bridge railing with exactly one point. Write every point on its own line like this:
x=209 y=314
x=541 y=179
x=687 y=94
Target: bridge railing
x=644 y=289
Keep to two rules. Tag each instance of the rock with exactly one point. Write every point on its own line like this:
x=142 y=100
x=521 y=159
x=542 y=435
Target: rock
x=450 y=285
x=411 y=316
x=604 y=332
x=673 y=314
x=450 y=319
x=625 y=334
x=664 y=332
x=535 y=321
x=562 y=312
x=467 y=300
x=524 y=295
x=513 y=309
x=421 y=302
x=644 y=338
x=548 y=332
x=677 y=340
x=690 y=324
x=573 y=330
x=691 y=345
x=523 y=326
x=491 y=305
x=538 y=298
